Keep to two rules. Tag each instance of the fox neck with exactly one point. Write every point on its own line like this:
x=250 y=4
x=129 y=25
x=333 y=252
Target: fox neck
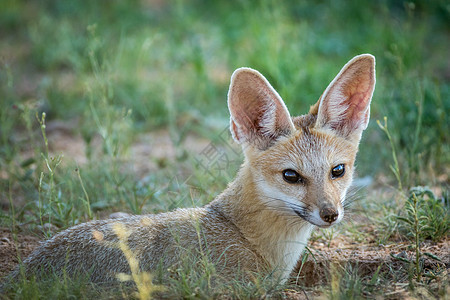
x=277 y=238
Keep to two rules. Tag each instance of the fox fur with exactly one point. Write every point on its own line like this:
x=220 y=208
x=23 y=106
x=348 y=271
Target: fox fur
x=261 y=222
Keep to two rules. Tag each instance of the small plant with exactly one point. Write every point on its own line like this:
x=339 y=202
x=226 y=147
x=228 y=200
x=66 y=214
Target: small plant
x=431 y=212
x=348 y=282
x=425 y=217
x=394 y=168
x=50 y=204
x=86 y=200
x=329 y=235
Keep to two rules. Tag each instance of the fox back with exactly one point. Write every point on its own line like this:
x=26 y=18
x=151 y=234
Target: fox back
x=294 y=177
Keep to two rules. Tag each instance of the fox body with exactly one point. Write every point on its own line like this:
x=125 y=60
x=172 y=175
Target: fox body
x=294 y=177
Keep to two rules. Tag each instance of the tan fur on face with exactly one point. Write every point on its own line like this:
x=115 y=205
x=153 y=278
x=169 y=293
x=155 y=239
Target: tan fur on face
x=312 y=154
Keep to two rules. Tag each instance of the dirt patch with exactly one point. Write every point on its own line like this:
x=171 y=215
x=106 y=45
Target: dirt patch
x=146 y=153
x=13 y=246
x=366 y=259
x=150 y=151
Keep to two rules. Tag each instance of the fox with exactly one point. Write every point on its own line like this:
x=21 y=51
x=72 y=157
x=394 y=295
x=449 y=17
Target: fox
x=294 y=178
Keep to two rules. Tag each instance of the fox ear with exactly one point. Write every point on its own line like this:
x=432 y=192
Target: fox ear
x=345 y=105
x=258 y=114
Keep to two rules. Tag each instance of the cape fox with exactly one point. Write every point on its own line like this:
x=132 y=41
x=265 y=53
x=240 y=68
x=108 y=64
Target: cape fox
x=294 y=177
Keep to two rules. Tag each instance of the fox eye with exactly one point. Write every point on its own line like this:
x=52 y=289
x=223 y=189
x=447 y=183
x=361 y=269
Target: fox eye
x=291 y=176
x=338 y=171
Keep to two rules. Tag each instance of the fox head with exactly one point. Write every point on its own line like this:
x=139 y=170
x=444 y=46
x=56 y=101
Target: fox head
x=302 y=166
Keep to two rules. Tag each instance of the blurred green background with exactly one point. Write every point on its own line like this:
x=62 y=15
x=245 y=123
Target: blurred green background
x=117 y=69
x=133 y=91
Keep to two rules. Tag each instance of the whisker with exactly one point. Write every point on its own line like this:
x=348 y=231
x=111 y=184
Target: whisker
x=291 y=211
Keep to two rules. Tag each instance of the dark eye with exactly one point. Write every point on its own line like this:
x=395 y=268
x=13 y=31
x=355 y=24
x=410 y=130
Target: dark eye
x=338 y=171
x=291 y=176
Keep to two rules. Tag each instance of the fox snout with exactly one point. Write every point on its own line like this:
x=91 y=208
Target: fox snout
x=329 y=214
x=322 y=216
x=325 y=215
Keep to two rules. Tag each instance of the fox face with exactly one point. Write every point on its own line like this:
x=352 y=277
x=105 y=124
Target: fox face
x=302 y=166
x=308 y=176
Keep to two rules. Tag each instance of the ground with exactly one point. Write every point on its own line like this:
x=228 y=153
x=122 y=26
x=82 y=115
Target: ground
x=340 y=250
x=367 y=257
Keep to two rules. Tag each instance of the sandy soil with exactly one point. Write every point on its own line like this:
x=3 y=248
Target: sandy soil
x=13 y=246
x=366 y=257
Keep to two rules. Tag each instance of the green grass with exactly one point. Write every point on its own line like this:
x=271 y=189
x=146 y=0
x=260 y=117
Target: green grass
x=120 y=69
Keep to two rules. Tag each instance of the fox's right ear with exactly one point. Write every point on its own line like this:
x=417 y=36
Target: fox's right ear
x=345 y=105
x=258 y=114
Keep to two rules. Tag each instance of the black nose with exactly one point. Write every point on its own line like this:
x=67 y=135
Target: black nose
x=329 y=214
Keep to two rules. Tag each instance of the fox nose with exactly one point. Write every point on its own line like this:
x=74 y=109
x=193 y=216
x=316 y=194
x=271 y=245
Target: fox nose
x=329 y=214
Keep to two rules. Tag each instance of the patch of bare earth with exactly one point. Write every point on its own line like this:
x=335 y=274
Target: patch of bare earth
x=366 y=258
x=146 y=153
x=13 y=246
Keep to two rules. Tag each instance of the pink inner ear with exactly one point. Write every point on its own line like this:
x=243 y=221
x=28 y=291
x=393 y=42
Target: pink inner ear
x=258 y=113
x=344 y=106
x=249 y=112
x=357 y=95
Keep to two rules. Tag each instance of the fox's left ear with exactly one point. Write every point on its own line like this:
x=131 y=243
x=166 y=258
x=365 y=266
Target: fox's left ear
x=258 y=114
x=345 y=105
